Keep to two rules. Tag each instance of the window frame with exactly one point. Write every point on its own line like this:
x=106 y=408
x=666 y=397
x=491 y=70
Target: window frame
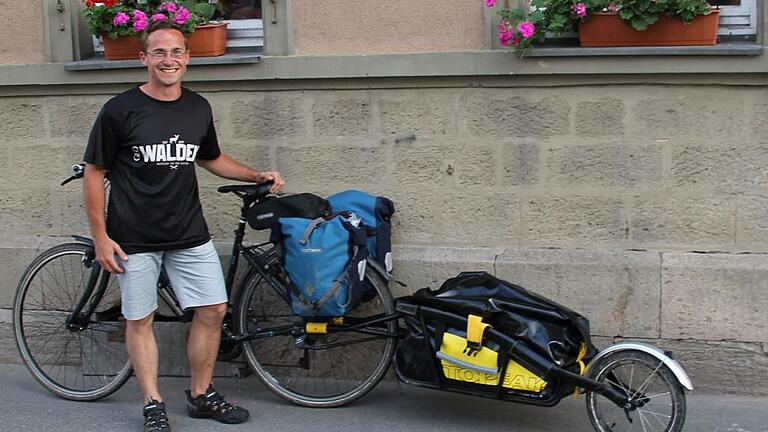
x=751 y=32
x=67 y=39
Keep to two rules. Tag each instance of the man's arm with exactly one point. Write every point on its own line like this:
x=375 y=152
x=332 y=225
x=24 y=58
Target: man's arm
x=94 y=197
x=226 y=167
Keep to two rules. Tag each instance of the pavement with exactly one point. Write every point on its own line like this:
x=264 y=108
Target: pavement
x=26 y=406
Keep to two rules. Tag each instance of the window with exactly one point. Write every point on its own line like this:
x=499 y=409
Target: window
x=737 y=17
x=245 y=31
x=246 y=28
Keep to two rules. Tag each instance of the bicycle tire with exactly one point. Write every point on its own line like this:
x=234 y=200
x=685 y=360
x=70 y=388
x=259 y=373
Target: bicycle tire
x=83 y=364
x=330 y=378
x=663 y=397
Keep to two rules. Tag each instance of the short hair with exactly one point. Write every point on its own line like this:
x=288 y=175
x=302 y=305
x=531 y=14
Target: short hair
x=161 y=25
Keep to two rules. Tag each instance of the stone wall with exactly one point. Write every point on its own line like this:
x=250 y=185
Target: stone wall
x=641 y=206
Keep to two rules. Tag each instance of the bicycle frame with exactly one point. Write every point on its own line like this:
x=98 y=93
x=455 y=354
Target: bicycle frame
x=254 y=255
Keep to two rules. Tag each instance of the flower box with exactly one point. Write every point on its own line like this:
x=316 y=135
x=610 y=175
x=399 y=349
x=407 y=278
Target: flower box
x=122 y=48
x=208 y=40
x=606 y=29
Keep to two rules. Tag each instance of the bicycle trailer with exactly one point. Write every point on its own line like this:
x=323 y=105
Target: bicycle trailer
x=481 y=335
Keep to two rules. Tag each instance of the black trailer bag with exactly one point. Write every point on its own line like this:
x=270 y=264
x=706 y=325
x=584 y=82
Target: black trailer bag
x=434 y=353
x=264 y=215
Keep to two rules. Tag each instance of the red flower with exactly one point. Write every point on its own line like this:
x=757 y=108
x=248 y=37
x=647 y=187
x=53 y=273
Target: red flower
x=88 y=3
x=109 y=3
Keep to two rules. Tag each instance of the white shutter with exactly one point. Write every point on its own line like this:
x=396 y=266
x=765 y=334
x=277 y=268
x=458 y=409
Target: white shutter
x=739 y=20
x=245 y=33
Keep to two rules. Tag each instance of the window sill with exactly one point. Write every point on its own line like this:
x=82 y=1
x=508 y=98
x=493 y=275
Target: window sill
x=725 y=49
x=99 y=63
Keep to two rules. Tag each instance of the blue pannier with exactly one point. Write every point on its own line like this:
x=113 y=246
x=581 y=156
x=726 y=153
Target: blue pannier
x=376 y=213
x=325 y=263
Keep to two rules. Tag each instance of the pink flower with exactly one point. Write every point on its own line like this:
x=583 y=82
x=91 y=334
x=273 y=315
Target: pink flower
x=182 y=15
x=121 y=19
x=139 y=15
x=526 y=29
x=580 y=9
x=139 y=26
x=158 y=17
x=490 y=3
x=169 y=6
x=612 y=7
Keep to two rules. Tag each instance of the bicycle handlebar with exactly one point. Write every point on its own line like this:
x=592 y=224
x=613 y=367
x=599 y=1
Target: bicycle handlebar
x=78 y=170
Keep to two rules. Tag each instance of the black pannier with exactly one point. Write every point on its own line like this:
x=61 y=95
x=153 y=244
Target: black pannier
x=264 y=215
x=442 y=326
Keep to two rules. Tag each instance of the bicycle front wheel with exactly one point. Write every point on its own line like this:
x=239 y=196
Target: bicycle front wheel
x=656 y=399
x=314 y=370
x=80 y=358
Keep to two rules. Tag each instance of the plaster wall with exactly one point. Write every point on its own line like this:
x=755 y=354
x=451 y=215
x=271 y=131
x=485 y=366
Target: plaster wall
x=21 y=35
x=323 y=27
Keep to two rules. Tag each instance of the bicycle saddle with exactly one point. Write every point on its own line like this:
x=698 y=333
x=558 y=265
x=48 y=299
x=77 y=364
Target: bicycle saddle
x=248 y=192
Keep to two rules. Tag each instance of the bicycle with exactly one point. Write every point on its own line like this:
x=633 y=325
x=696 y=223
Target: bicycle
x=64 y=296
x=70 y=333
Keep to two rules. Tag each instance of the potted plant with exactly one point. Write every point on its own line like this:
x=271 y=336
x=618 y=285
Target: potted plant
x=120 y=23
x=611 y=23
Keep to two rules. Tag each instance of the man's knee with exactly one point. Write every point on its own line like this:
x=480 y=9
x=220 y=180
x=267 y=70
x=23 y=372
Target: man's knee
x=212 y=314
x=142 y=325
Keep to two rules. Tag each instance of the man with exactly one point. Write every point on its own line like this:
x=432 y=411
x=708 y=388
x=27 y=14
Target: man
x=149 y=138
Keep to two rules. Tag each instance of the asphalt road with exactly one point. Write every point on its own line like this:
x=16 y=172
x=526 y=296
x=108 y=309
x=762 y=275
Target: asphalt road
x=26 y=406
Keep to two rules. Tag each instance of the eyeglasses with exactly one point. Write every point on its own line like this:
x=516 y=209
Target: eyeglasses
x=160 y=54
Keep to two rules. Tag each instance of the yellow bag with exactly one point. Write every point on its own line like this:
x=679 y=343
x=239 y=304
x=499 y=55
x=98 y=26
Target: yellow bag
x=481 y=366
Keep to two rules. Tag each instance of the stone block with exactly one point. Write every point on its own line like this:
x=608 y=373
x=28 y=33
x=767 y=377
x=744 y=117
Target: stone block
x=752 y=223
x=40 y=164
x=429 y=267
x=26 y=210
x=268 y=117
x=16 y=253
x=73 y=116
x=713 y=115
x=694 y=223
x=735 y=167
x=427 y=113
x=605 y=165
x=248 y=153
x=307 y=166
x=424 y=162
x=715 y=297
x=342 y=116
x=521 y=164
x=21 y=119
x=476 y=165
x=416 y=215
x=617 y=291
x=575 y=220
x=221 y=211
x=480 y=218
x=8 y=351
x=489 y=114
x=720 y=367
x=603 y=117
x=69 y=216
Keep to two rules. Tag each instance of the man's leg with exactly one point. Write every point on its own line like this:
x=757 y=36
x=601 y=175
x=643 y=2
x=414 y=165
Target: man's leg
x=142 y=349
x=203 y=345
x=139 y=301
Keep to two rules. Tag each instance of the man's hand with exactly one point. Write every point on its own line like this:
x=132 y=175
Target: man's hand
x=274 y=177
x=106 y=249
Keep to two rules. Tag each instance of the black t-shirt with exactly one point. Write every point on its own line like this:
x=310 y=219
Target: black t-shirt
x=149 y=147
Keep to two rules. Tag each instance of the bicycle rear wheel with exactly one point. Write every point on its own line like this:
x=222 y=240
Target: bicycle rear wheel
x=87 y=360
x=297 y=367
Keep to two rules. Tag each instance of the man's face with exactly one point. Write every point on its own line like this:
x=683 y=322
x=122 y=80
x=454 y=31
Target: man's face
x=166 y=57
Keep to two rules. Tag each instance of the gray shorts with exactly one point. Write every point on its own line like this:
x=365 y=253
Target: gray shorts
x=195 y=276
